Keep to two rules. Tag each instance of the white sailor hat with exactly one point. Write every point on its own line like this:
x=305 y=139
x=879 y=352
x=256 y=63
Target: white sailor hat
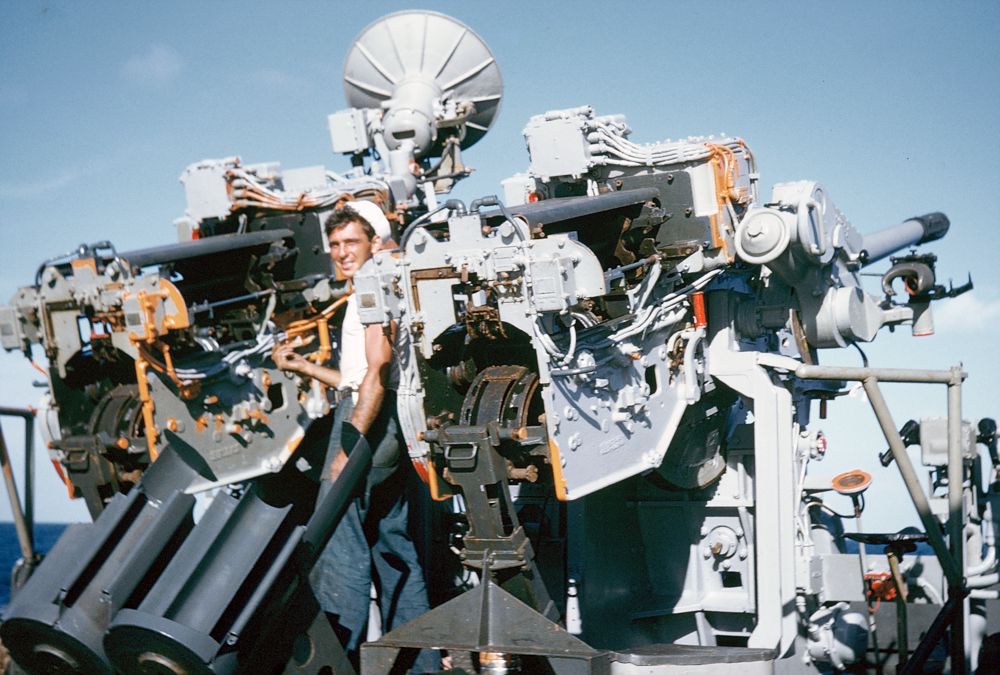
x=373 y=214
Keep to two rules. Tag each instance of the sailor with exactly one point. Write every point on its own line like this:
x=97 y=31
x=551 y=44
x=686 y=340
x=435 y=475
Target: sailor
x=371 y=543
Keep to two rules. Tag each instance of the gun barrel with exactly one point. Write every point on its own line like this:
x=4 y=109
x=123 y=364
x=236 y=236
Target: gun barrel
x=556 y=210
x=222 y=243
x=916 y=230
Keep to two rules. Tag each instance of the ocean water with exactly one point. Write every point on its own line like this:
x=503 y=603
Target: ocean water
x=46 y=535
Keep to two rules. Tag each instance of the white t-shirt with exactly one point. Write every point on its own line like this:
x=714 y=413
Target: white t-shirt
x=353 y=364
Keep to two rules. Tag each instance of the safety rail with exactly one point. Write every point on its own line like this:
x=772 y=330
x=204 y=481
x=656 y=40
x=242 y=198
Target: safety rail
x=951 y=554
x=24 y=516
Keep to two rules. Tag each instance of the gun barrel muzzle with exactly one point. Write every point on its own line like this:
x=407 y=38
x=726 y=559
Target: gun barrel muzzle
x=911 y=232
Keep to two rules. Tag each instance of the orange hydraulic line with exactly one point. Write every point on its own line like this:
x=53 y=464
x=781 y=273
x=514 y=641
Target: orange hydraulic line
x=303 y=325
x=432 y=481
x=557 y=473
x=169 y=363
x=698 y=303
x=150 y=360
x=147 y=406
x=323 y=353
x=71 y=491
x=148 y=306
x=717 y=160
x=725 y=167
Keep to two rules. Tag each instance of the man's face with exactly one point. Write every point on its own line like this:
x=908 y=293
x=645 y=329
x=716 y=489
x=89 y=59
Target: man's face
x=351 y=248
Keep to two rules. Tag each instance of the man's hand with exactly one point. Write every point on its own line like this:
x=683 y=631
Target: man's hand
x=286 y=358
x=289 y=360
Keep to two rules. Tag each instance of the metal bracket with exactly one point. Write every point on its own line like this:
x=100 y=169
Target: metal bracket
x=505 y=625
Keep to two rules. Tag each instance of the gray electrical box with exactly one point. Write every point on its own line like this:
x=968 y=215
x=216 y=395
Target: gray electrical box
x=10 y=329
x=349 y=132
x=934 y=441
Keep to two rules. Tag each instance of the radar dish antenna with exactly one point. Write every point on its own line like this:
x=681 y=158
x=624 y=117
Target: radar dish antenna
x=433 y=77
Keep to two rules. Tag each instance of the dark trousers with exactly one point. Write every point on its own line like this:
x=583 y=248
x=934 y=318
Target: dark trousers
x=372 y=544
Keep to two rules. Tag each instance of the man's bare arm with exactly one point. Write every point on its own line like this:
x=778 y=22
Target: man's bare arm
x=371 y=393
x=290 y=360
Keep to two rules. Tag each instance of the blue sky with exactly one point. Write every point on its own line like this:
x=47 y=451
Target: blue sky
x=892 y=105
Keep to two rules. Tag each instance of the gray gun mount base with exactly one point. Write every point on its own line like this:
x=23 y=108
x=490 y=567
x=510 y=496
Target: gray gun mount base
x=495 y=410
x=492 y=623
x=510 y=616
